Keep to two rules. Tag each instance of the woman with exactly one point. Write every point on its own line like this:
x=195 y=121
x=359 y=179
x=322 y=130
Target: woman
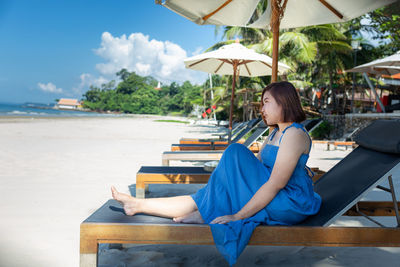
x=244 y=191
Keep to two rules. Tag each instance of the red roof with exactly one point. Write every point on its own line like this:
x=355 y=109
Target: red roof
x=68 y=102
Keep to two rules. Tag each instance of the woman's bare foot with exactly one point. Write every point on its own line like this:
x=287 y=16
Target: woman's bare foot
x=129 y=203
x=194 y=217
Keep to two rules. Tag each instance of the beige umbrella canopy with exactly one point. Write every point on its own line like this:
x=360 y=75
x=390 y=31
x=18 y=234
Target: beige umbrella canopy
x=234 y=59
x=277 y=14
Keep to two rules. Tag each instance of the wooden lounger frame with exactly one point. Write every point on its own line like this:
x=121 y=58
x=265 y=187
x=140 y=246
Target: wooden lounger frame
x=93 y=234
x=255 y=147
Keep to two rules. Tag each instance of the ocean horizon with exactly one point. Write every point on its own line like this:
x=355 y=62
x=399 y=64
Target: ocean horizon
x=45 y=110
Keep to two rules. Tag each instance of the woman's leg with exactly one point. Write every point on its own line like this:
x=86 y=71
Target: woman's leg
x=169 y=207
x=193 y=217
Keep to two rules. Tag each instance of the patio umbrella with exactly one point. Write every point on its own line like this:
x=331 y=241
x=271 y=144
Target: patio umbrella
x=234 y=59
x=389 y=65
x=277 y=14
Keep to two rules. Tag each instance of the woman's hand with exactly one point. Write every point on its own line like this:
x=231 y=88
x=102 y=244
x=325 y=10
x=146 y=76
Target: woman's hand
x=225 y=219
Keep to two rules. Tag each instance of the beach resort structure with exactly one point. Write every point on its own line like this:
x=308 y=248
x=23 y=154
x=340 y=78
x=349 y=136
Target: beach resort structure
x=66 y=103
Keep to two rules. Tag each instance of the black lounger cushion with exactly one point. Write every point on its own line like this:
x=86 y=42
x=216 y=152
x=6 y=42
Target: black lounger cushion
x=381 y=135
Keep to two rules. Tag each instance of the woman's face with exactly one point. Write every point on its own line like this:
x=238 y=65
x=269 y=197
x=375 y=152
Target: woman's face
x=271 y=111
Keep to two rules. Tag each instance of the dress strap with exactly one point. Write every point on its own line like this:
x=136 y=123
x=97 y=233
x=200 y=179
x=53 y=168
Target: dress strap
x=273 y=133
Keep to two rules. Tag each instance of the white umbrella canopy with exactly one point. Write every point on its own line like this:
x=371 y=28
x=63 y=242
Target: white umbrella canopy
x=220 y=61
x=389 y=65
x=278 y=14
x=390 y=61
x=233 y=59
x=301 y=13
x=214 y=12
x=298 y=13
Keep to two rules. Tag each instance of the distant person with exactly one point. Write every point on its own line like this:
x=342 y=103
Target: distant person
x=244 y=191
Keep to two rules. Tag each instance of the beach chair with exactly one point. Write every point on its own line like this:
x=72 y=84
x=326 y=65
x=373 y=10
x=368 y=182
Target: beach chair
x=209 y=155
x=376 y=159
x=222 y=136
x=215 y=144
x=311 y=125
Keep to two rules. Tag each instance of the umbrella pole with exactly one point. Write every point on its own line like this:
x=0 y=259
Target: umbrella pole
x=235 y=64
x=275 y=51
x=278 y=9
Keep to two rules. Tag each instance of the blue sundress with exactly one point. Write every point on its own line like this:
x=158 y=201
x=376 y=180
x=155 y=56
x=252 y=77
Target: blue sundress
x=236 y=179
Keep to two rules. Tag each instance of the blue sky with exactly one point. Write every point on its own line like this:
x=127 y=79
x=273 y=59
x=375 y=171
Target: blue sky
x=52 y=49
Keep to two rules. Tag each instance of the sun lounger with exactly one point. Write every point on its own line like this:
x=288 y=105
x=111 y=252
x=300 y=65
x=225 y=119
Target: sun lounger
x=237 y=127
x=375 y=160
x=216 y=155
x=310 y=123
x=215 y=145
x=208 y=155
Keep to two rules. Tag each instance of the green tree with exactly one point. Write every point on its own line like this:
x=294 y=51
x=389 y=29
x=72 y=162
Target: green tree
x=384 y=23
x=137 y=94
x=132 y=83
x=123 y=74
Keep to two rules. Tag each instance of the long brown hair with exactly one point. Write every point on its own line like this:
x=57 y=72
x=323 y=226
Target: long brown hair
x=287 y=97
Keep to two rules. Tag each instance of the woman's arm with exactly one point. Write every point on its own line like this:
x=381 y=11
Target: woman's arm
x=290 y=150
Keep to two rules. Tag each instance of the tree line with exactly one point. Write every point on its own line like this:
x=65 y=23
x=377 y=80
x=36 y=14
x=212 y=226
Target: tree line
x=140 y=95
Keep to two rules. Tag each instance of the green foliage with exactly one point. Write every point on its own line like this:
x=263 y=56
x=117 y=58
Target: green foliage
x=322 y=131
x=385 y=23
x=136 y=94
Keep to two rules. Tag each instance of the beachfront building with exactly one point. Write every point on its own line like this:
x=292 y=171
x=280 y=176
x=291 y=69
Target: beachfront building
x=65 y=103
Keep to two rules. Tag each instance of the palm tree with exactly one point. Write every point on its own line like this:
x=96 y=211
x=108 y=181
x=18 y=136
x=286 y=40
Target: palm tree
x=333 y=54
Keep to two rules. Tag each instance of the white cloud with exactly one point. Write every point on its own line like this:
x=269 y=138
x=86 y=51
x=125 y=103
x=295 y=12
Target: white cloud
x=49 y=87
x=87 y=80
x=162 y=60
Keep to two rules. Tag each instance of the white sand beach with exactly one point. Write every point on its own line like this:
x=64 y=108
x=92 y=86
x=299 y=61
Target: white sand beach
x=54 y=172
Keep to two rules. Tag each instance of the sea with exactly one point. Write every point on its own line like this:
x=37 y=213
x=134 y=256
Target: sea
x=45 y=110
